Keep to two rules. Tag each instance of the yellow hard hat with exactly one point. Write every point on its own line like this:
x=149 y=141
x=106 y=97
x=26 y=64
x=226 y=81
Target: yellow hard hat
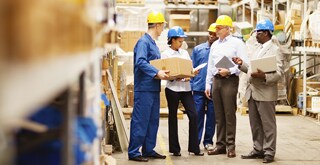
x=212 y=27
x=224 y=20
x=156 y=17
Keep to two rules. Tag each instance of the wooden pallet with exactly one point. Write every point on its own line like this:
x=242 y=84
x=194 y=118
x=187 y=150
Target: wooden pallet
x=206 y=2
x=130 y=2
x=314 y=115
x=127 y=112
x=280 y=109
x=176 y=2
x=309 y=43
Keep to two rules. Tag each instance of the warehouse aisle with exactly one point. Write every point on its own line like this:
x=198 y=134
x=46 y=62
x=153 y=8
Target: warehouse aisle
x=298 y=143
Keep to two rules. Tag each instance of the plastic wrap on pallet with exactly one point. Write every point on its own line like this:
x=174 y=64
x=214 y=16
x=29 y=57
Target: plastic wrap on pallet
x=314 y=24
x=134 y=18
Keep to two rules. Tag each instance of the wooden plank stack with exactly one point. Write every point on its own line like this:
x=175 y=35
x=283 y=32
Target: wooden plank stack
x=206 y=2
x=176 y=2
x=130 y=2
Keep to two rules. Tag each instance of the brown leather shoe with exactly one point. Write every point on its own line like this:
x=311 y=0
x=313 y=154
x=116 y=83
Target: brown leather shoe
x=231 y=153
x=217 y=151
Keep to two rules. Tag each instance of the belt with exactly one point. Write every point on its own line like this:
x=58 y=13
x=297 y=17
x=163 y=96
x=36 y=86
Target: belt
x=219 y=76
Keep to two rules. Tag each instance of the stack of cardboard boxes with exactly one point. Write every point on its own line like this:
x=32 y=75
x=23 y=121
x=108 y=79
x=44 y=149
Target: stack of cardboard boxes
x=128 y=39
x=311 y=99
x=296 y=20
x=180 y=18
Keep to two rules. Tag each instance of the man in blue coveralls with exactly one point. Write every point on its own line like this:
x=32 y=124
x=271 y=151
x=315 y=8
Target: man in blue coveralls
x=204 y=106
x=146 y=109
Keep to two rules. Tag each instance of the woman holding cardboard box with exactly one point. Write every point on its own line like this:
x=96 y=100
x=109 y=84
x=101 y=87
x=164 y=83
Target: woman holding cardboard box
x=180 y=90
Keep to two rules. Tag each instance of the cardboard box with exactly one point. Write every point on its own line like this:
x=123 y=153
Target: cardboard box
x=163 y=99
x=281 y=17
x=128 y=39
x=315 y=104
x=296 y=28
x=182 y=20
x=296 y=20
x=295 y=13
x=178 y=67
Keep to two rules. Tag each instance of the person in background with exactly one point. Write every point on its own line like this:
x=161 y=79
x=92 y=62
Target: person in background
x=180 y=90
x=225 y=83
x=146 y=109
x=204 y=106
x=262 y=94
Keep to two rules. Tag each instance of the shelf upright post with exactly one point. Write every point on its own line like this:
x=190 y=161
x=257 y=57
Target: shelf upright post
x=243 y=12
x=304 y=82
x=288 y=8
x=252 y=16
x=304 y=112
x=81 y=96
x=262 y=9
x=274 y=11
x=67 y=130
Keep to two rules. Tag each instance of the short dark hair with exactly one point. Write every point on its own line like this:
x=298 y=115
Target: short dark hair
x=170 y=40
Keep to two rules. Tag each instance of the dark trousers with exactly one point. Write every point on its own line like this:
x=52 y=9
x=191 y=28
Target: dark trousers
x=186 y=98
x=224 y=95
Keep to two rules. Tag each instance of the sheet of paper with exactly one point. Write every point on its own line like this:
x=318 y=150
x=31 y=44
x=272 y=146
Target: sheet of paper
x=266 y=64
x=200 y=66
x=224 y=63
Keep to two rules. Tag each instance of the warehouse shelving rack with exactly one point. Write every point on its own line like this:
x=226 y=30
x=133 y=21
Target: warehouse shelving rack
x=27 y=86
x=306 y=51
x=274 y=2
x=195 y=34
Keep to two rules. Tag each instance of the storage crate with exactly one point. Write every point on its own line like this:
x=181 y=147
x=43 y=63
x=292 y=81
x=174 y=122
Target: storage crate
x=182 y=20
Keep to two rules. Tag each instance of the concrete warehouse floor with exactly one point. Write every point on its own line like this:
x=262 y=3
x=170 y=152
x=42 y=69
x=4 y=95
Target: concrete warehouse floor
x=298 y=143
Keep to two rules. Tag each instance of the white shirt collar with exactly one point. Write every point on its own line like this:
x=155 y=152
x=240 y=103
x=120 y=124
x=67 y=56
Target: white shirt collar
x=225 y=39
x=171 y=51
x=266 y=44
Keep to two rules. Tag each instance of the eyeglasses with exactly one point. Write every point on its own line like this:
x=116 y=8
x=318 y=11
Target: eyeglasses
x=221 y=27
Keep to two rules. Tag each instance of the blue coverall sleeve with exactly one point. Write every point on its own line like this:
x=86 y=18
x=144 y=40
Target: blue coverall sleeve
x=143 y=57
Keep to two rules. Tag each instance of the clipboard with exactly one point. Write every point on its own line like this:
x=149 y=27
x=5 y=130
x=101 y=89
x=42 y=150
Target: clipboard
x=224 y=63
x=265 y=64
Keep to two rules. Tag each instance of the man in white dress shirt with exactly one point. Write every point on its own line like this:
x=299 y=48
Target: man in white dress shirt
x=225 y=83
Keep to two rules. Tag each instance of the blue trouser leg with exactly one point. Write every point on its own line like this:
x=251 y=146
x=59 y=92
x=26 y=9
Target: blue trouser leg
x=144 y=123
x=210 y=123
x=201 y=103
x=151 y=138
